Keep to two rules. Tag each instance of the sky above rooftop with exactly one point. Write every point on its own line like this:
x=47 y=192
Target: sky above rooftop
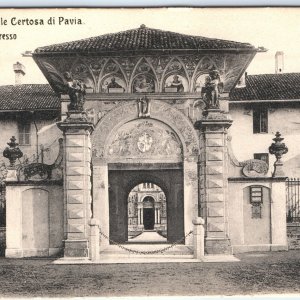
x=277 y=29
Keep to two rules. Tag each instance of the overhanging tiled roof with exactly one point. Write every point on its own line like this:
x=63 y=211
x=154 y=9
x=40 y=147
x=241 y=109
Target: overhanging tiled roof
x=143 y=38
x=26 y=97
x=284 y=86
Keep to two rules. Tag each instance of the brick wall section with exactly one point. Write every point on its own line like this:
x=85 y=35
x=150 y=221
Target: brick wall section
x=293 y=233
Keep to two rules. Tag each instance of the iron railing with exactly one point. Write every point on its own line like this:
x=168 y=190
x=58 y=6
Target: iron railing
x=293 y=200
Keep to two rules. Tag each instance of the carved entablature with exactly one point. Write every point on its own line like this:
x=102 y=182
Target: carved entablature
x=145 y=74
x=165 y=133
x=144 y=140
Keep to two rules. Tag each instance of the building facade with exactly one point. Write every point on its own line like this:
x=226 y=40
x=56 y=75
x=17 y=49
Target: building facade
x=147 y=106
x=147 y=210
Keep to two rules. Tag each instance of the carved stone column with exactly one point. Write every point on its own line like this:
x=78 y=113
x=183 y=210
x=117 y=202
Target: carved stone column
x=213 y=187
x=77 y=183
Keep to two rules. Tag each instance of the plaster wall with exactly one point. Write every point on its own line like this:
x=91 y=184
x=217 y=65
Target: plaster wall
x=245 y=143
x=34 y=220
x=257 y=234
x=47 y=134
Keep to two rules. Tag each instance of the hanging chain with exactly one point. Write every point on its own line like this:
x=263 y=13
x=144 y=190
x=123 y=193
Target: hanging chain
x=146 y=252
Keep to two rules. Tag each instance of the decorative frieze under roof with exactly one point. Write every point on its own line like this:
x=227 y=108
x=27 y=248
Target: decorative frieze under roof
x=262 y=87
x=133 y=59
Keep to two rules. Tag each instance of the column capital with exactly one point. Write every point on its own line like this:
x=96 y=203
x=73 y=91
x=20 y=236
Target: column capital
x=76 y=121
x=213 y=117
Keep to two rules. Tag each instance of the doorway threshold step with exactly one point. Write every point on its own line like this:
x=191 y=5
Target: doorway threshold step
x=142 y=259
x=143 y=256
x=174 y=250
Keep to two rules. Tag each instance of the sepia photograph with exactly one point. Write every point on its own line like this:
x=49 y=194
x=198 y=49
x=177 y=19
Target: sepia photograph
x=149 y=152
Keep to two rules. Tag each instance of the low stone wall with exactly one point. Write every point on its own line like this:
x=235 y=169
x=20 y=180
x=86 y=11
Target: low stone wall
x=293 y=234
x=34 y=219
x=257 y=226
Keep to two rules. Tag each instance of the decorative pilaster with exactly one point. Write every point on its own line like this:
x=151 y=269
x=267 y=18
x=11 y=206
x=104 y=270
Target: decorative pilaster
x=77 y=182
x=213 y=189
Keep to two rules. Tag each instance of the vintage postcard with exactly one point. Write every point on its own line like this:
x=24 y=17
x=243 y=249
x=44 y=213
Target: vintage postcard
x=149 y=152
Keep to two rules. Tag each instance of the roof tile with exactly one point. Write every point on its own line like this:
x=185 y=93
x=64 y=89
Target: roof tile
x=140 y=39
x=28 y=97
x=284 y=86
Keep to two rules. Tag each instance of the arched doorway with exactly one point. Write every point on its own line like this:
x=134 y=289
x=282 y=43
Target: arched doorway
x=128 y=150
x=148 y=213
x=122 y=182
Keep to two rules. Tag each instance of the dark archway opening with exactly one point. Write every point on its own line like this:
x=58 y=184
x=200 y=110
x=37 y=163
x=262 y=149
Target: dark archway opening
x=126 y=207
x=148 y=213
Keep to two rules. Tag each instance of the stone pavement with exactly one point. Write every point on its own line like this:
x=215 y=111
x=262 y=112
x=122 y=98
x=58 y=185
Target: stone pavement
x=256 y=273
x=149 y=237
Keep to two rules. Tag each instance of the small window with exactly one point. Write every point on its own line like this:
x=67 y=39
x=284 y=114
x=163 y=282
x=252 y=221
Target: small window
x=262 y=156
x=24 y=133
x=260 y=120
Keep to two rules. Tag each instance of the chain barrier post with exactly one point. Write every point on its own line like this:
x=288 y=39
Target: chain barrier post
x=94 y=240
x=145 y=252
x=198 y=238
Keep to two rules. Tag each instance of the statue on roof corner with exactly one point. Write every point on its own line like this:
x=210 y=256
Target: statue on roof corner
x=76 y=92
x=212 y=89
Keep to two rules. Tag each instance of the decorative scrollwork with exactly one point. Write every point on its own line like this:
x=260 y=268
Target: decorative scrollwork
x=255 y=168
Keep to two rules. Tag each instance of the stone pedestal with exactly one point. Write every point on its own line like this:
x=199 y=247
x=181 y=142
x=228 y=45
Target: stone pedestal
x=11 y=174
x=278 y=169
x=213 y=189
x=77 y=183
x=198 y=234
x=94 y=240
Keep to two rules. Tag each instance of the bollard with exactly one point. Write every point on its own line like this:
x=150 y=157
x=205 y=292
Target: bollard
x=198 y=238
x=94 y=240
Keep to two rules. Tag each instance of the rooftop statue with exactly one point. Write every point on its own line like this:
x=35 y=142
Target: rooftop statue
x=212 y=89
x=76 y=92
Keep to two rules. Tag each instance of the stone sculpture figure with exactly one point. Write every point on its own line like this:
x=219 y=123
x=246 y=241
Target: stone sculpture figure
x=143 y=85
x=76 y=92
x=114 y=84
x=144 y=107
x=177 y=83
x=212 y=89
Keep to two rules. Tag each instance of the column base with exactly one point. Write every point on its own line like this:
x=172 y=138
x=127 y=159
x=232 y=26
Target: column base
x=217 y=246
x=76 y=248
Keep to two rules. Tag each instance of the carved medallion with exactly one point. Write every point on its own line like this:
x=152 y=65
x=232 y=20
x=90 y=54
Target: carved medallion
x=145 y=142
x=255 y=168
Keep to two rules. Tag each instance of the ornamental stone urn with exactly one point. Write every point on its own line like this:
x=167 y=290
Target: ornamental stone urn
x=12 y=152
x=278 y=149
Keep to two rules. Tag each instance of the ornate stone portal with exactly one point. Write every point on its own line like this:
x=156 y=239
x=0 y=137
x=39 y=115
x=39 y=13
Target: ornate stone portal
x=143 y=105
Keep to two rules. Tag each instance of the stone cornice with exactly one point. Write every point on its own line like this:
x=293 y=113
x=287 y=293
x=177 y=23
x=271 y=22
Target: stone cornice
x=257 y=179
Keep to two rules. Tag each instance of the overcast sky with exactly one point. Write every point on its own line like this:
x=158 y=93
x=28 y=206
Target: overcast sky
x=277 y=29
